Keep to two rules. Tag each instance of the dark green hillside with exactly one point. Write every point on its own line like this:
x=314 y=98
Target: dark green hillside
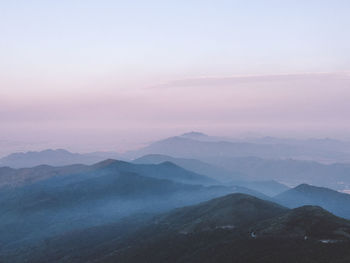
x=306 y=222
x=231 y=211
x=201 y=233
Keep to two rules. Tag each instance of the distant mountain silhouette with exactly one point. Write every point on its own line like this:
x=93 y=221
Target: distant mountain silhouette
x=184 y=147
x=258 y=159
x=193 y=165
x=268 y=187
x=333 y=201
x=288 y=161
x=289 y=171
x=195 y=135
x=203 y=147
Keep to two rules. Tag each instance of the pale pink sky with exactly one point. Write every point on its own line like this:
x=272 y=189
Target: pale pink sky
x=107 y=118
x=113 y=75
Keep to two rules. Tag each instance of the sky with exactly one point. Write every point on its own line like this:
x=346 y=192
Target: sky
x=115 y=75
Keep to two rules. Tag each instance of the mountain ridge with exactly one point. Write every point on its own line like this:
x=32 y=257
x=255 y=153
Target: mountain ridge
x=305 y=194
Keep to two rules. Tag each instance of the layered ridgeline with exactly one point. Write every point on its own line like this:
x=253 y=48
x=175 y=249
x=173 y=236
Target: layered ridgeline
x=289 y=161
x=289 y=171
x=223 y=168
x=268 y=187
x=233 y=228
x=201 y=146
x=198 y=146
x=10 y=177
x=197 y=166
x=333 y=201
x=105 y=192
x=166 y=170
x=322 y=162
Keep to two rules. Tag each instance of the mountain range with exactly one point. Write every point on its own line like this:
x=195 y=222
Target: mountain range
x=267 y=187
x=193 y=165
x=188 y=198
x=82 y=196
x=288 y=171
x=287 y=161
x=10 y=177
x=203 y=147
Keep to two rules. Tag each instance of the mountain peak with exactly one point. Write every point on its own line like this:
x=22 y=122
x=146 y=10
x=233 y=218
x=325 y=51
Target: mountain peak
x=303 y=187
x=194 y=134
x=233 y=210
x=312 y=188
x=106 y=163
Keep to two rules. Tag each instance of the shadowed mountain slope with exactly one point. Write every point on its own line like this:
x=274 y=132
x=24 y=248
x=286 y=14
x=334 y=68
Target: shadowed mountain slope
x=308 y=222
x=333 y=201
x=238 y=228
x=231 y=211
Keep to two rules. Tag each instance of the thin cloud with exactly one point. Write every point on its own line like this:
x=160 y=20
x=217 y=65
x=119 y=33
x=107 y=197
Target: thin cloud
x=217 y=81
